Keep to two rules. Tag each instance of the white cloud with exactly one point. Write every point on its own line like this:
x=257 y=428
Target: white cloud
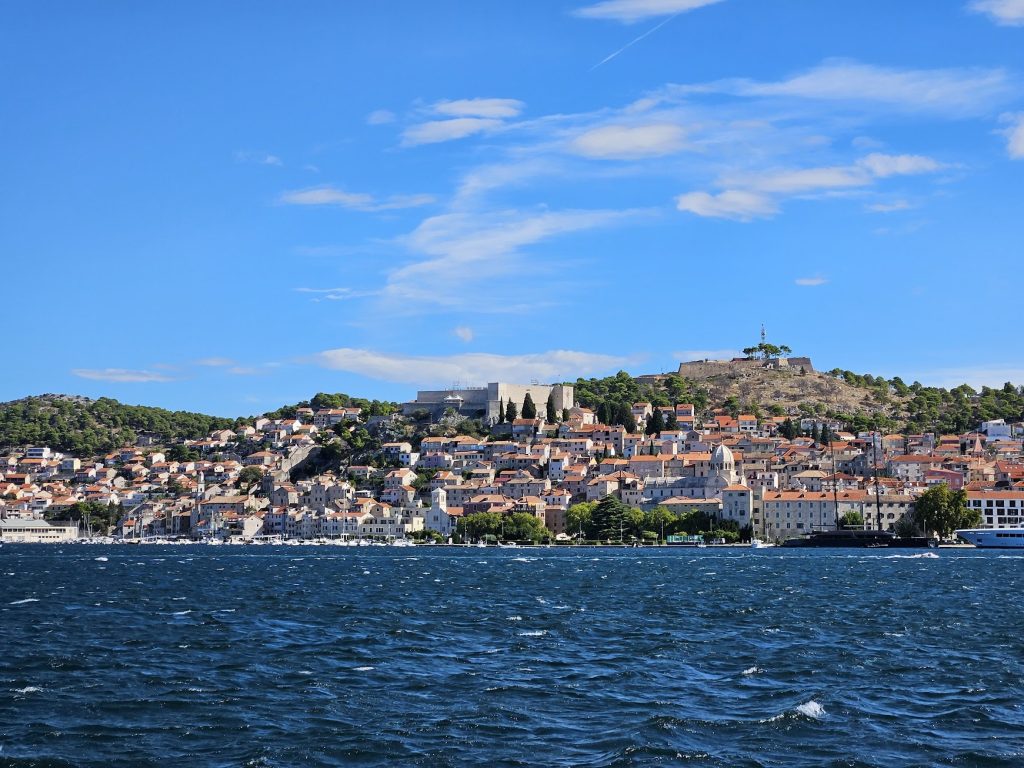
x=1004 y=12
x=488 y=108
x=337 y=294
x=461 y=249
x=756 y=195
x=437 y=131
x=622 y=142
x=257 y=158
x=464 y=332
x=894 y=206
x=810 y=282
x=629 y=11
x=956 y=92
x=1014 y=135
x=120 y=375
x=730 y=204
x=215 y=362
x=898 y=165
x=691 y=355
x=477 y=368
x=380 y=117
x=792 y=182
x=360 y=201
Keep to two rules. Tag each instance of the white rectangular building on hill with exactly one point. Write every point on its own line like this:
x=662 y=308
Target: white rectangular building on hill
x=484 y=402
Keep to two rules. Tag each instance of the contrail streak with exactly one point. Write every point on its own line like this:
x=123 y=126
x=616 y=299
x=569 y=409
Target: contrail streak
x=634 y=41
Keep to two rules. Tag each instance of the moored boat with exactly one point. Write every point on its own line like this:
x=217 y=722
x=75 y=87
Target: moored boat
x=993 y=538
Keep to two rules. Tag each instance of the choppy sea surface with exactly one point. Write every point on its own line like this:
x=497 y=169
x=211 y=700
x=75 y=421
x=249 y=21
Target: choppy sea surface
x=438 y=656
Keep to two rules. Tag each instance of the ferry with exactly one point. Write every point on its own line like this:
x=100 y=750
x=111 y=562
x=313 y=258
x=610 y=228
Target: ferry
x=993 y=538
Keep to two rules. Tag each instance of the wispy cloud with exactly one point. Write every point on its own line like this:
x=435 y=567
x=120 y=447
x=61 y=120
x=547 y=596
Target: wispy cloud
x=893 y=207
x=624 y=142
x=360 y=201
x=810 y=282
x=257 y=158
x=436 y=131
x=956 y=92
x=120 y=375
x=496 y=109
x=630 y=11
x=458 y=250
x=462 y=118
x=380 y=117
x=755 y=195
x=215 y=362
x=464 y=332
x=336 y=294
x=1014 y=133
x=1004 y=12
x=470 y=368
x=898 y=165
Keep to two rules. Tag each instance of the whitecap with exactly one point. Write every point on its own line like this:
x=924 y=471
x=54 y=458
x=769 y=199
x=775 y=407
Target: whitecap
x=101 y=559
x=811 y=709
x=752 y=670
x=26 y=600
x=181 y=613
x=362 y=669
x=534 y=633
x=366 y=573
x=28 y=689
x=514 y=618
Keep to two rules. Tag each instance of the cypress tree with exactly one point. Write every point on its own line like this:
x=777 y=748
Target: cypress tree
x=501 y=412
x=815 y=434
x=529 y=409
x=655 y=424
x=552 y=416
x=510 y=411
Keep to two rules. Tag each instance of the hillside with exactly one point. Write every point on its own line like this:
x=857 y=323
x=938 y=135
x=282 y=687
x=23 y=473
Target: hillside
x=84 y=427
x=860 y=401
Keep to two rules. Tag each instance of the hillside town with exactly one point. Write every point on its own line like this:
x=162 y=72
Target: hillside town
x=770 y=477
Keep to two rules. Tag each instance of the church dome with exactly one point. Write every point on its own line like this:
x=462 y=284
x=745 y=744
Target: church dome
x=722 y=458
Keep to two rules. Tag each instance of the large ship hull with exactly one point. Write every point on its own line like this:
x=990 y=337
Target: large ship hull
x=859 y=538
x=993 y=538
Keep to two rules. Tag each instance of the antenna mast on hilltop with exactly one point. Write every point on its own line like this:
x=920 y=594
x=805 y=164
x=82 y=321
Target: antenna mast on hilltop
x=763 y=334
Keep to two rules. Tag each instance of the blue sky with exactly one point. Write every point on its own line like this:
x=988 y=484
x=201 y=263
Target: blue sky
x=230 y=206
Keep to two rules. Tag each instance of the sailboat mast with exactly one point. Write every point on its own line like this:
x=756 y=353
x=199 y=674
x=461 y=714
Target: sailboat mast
x=874 y=455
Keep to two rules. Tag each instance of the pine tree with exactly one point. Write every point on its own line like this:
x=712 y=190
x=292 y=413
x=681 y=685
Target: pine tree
x=607 y=519
x=529 y=409
x=510 y=411
x=552 y=416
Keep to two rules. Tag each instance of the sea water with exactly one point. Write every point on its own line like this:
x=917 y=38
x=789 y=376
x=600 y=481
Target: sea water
x=436 y=656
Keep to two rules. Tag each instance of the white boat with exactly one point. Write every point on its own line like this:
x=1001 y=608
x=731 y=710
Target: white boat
x=758 y=544
x=993 y=538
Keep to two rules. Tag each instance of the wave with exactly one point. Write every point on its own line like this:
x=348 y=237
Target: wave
x=26 y=600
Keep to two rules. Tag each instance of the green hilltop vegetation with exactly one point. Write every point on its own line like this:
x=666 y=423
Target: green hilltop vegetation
x=84 y=427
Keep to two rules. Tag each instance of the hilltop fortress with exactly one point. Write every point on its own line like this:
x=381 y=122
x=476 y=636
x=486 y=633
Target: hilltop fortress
x=704 y=369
